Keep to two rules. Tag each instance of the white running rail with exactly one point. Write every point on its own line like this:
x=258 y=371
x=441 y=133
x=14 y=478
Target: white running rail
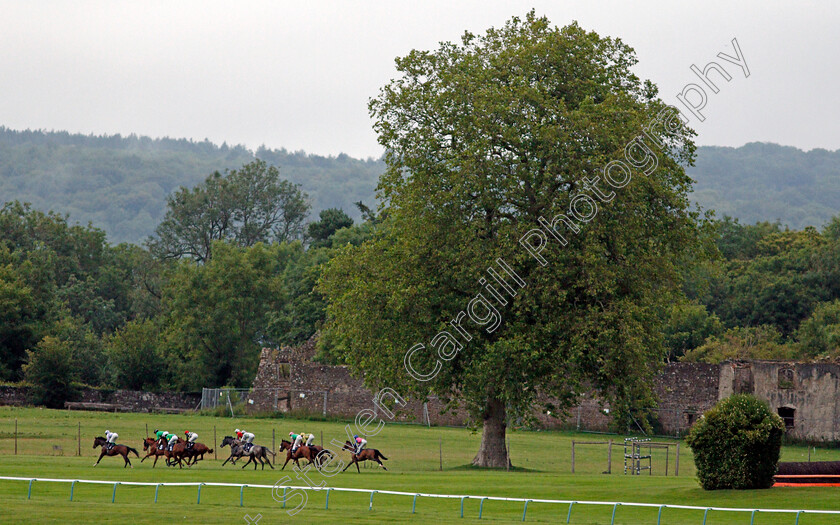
x=415 y=495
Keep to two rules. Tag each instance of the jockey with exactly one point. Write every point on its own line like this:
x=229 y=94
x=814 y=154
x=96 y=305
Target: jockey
x=111 y=438
x=160 y=434
x=173 y=438
x=246 y=437
x=296 y=439
x=190 y=437
x=360 y=444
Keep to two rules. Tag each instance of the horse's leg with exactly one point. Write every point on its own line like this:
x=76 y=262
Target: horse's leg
x=380 y=463
x=246 y=464
x=100 y=457
x=288 y=458
x=352 y=460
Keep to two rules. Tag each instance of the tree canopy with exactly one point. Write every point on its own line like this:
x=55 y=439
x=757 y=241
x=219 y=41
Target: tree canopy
x=244 y=206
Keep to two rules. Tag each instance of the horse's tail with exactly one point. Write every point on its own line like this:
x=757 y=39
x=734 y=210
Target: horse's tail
x=132 y=450
x=380 y=455
x=269 y=451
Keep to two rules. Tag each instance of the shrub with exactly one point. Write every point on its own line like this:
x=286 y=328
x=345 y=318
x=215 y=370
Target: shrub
x=736 y=444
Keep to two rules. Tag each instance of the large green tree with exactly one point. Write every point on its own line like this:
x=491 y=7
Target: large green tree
x=491 y=143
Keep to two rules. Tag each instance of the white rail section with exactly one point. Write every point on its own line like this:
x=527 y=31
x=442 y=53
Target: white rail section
x=282 y=499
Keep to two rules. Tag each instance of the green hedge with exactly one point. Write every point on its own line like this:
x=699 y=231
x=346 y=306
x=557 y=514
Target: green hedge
x=736 y=444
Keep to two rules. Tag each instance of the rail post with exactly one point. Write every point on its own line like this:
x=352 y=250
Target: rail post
x=370 y=506
x=241 y=494
x=414 y=503
x=327 y=505
x=214 y=443
x=79 y=439
x=198 y=501
x=573 y=456
x=462 y=505
x=659 y=517
x=72 y=486
x=156 y=491
x=284 y=492
x=569 y=515
x=15 y=436
x=797 y=517
x=705 y=515
x=615 y=507
x=29 y=494
x=524 y=512
x=273 y=447
x=752 y=516
x=114 y=495
x=677 y=462
x=609 y=457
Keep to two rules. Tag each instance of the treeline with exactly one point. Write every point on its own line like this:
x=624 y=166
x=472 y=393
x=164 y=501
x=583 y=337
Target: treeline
x=77 y=310
x=233 y=264
x=773 y=293
x=120 y=184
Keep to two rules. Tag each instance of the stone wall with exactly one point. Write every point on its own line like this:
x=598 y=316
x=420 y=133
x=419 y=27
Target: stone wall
x=684 y=390
x=808 y=392
x=129 y=400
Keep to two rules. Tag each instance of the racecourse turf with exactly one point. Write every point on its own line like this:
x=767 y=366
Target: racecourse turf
x=47 y=448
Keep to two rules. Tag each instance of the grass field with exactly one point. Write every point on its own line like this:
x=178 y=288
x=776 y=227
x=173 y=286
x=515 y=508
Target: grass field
x=542 y=461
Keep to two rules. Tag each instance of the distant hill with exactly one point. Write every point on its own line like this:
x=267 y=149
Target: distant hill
x=768 y=182
x=120 y=184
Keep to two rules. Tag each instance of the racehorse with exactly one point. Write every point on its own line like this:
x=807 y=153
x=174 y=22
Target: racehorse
x=303 y=451
x=152 y=448
x=257 y=453
x=122 y=450
x=175 y=455
x=368 y=454
x=196 y=452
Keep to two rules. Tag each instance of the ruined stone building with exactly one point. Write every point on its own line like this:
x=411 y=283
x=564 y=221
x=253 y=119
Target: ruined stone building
x=805 y=395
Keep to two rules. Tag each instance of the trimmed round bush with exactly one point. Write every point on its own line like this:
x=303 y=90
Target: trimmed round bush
x=736 y=444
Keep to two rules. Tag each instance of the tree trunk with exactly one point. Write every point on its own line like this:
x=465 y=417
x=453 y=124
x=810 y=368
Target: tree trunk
x=493 y=450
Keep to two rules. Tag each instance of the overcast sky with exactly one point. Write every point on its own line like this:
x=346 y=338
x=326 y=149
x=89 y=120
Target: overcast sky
x=299 y=74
